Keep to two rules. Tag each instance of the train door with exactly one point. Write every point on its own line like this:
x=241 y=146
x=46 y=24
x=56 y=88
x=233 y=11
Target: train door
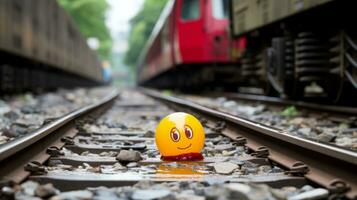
x=217 y=23
x=191 y=30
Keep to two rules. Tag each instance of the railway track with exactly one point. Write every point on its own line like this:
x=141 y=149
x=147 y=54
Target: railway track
x=112 y=144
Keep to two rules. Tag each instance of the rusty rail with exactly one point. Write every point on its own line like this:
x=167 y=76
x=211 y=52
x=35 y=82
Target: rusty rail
x=329 y=166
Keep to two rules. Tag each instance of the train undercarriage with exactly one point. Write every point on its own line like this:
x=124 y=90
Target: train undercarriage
x=310 y=56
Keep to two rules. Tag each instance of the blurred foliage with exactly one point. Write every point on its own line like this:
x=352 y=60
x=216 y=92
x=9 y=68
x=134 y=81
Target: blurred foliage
x=167 y=92
x=89 y=15
x=290 y=111
x=141 y=28
x=344 y=126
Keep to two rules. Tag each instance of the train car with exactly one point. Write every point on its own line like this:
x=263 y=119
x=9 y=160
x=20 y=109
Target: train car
x=297 y=48
x=40 y=47
x=189 y=45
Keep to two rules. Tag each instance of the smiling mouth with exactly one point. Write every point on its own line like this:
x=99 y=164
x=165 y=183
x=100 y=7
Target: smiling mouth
x=185 y=147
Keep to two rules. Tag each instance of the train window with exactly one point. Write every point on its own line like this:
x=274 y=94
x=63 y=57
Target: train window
x=220 y=9
x=190 y=10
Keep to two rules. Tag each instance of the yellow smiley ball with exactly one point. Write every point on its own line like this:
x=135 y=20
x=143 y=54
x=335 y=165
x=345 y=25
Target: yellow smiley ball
x=179 y=133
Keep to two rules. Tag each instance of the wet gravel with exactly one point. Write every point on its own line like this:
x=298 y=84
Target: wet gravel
x=21 y=114
x=318 y=126
x=146 y=190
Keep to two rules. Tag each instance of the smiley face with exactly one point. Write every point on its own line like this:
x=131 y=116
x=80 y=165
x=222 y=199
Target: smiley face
x=179 y=133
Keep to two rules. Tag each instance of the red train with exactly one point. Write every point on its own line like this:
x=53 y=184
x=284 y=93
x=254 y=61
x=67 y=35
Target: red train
x=189 y=36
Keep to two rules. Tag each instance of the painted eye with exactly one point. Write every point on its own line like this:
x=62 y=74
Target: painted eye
x=188 y=132
x=175 y=135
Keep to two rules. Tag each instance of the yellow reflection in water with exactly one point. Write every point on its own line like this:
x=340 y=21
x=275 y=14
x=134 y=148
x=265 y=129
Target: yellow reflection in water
x=181 y=170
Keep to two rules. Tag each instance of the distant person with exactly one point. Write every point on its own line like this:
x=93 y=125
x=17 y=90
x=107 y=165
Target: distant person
x=106 y=71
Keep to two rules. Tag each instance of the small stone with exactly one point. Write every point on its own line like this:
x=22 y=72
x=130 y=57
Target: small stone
x=118 y=167
x=344 y=141
x=296 y=121
x=249 y=170
x=293 y=128
x=86 y=165
x=19 y=129
x=113 y=124
x=260 y=191
x=214 y=192
x=290 y=191
x=221 y=147
x=29 y=187
x=278 y=193
x=143 y=184
x=152 y=153
x=354 y=134
x=4 y=108
x=108 y=154
x=70 y=97
x=229 y=153
x=22 y=196
x=319 y=193
x=326 y=137
x=85 y=153
x=150 y=194
x=304 y=132
x=238 y=190
x=221 y=99
x=73 y=195
x=65 y=167
x=343 y=126
x=45 y=191
x=250 y=110
x=126 y=156
x=53 y=162
x=30 y=109
x=9 y=133
x=94 y=169
x=307 y=188
x=229 y=104
x=3 y=139
x=248 y=164
x=7 y=191
x=275 y=169
x=264 y=168
x=148 y=170
x=149 y=134
x=132 y=164
x=12 y=116
x=189 y=197
x=225 y=167
x=104 y=193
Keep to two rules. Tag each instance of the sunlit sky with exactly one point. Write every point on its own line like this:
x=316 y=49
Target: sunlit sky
x=120 y=13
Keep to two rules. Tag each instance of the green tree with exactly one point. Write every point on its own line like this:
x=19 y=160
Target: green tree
x=141 y=28
x=89 y=15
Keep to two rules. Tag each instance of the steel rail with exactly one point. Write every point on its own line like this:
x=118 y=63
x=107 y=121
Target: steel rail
x=329 y=166
x=279 y=101
x=12 y=147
